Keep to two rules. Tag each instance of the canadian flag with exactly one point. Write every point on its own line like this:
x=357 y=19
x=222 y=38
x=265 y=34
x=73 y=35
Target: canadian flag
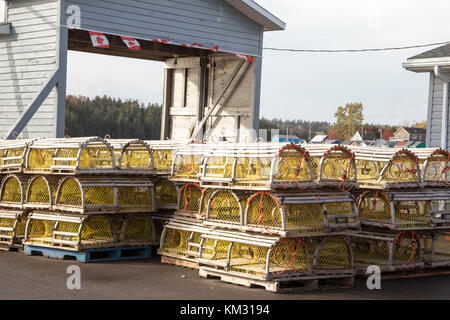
x=131 y=43
x=164 y=41
x=215 y=49
x=194 y=45
x=243 y=56
x=99 y=40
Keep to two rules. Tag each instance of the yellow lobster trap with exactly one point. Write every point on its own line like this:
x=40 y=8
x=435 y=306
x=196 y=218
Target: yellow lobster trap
x=437 y=249
x=187 y=163
x=405 y=210
x=435 y=169
x=12 y=155
x=333 y=166
x=387 y=168
x=166 y=194
x=13 y=191
x=12 y=228
x=390 y=251
x=41 y=192
x=269 y=261
x=163 y=153
x=88 y=195
x=193 y=201
x=260 y=166
x=133 y=157
x=225 y=208
x=70 y=156
x=136 y=229
x=69 y=232
x=288 y=214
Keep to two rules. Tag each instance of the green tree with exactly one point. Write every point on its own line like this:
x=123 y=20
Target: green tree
x=348 y=120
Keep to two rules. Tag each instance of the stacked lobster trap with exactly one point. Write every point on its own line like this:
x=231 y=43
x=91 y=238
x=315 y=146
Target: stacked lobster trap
x=84 y=194
x=404 y=209
x=264 y=214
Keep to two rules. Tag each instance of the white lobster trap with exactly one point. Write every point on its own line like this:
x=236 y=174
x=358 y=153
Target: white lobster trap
x=12 y=228
x=71 y=156
x=41 y=192
x=12 y=155
x=193 y=201
x=133 y=157
x=417 y=209
x=13 y=191
x=102 y=195
x=163 y=153
x=435 y=167
x=166 y=195
x=437 y=249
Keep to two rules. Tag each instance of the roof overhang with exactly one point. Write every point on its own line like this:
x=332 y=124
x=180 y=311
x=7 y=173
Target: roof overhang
x=258 y=14
x=5 y=29
x=427 y=65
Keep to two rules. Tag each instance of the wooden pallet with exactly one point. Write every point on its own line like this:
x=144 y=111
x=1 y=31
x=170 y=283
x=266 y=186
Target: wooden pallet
x=93 y=255
x=306 y=283
x=185 y=263
x=11 y=248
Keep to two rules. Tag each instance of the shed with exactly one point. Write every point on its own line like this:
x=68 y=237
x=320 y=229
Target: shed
x=436 y=62
x=212 y=51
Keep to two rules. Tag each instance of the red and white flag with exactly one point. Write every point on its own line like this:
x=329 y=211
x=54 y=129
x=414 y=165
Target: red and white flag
x=99 y=40
x=194 y=45
x=131 y=43
x=215 y=49
x=243 y=56
x=164 y=41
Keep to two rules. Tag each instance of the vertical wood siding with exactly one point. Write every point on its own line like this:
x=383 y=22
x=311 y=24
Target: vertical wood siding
x=436 y=113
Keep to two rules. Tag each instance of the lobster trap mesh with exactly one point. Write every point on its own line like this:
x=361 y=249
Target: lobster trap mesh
x=96 y=156
x=98 y=196
x=224 y=207
x=333 y=255
x=215 y=250
x=253 y=171
x=66 y=157
x=190 y=199
x=187 y=167
x=139 y=228
x=162 y=160
x=97 y=229
x=375 y=206
x=40 y=192
x=293 y=165
x=12 y=157
x=338 y=164
x=69 y=194
x=136 y=157
x=219 y=167
x=166 y=193
x=40 y=160
x=367 y=252
x=67 y=232
x=307 y=217
x=402 y=168
x=264 y=210
x=181 y=243
x=288 y=256
x=413 y=213
x=40 y=231
x=7 y=230
x=134 y=199
x=369 y=170
x=336 y=209
x=11 y=191
x=406 y=249
x=439 y=248
x=437 y=167
x=249 y=259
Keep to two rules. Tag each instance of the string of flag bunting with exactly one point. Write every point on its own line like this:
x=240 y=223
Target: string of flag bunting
x=99 y=40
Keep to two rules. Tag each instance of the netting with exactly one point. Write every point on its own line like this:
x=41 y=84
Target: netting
x=66 y=158
x=368 y=170
x=139 y=228
x=375 y=206
x=166 y=193
x=190 y=199
x=334 y=254
x=413 y=214
x=69 y=194
x=264 y=210
x=12 y=158
x=402 y=168
x=11 y=192
x=136 y=156
x=7 y=230
x=187 y=167
x=134 y=199
x=40 y=231
x=96 y=156
x=162 y=160
x=337 y=209
x=224 y=206
x=216 y=250
x=159 y=227
x=219 y=167
x=249 y=259
x=338 y=164
x=293 y=166
x=307 y=217
x=41 y=192
x=289 y=256
x=40 y=160
x=253 y=171
x=437 y=167
x=439 y=248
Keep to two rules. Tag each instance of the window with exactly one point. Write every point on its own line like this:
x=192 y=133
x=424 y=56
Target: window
x=2 y=11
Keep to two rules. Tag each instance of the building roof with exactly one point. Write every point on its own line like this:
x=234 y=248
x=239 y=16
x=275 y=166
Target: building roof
x=258 y=14
x=319 y=139
x=426 y=61
x=415 y=130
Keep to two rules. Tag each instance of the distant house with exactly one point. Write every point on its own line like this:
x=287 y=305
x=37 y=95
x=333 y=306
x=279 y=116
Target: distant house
x=409 y=135
x=319 y=139
x=357 y=137
x=285 y=138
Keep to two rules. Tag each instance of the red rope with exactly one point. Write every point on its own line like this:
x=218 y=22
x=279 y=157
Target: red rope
x=299 y=167
x=295 y=250
x=374 y=205
x=261 y=209
x=414 y=237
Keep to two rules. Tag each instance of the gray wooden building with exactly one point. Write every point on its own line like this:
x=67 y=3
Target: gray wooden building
x=436 y=62
x=212 y=54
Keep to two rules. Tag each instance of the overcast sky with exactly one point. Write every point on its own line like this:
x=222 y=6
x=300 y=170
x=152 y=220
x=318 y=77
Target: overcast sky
x=305 y=85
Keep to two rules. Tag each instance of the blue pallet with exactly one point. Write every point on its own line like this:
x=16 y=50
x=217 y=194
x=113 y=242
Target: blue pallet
x=91 y=256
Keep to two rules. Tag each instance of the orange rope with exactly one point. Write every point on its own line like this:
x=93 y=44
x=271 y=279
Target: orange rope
x=374 y=205
x=261 y=210
x=294 y=256
x=414 y=236
x=299 y=167
x=187 y=204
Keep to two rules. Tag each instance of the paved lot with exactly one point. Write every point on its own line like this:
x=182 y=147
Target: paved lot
x=23 y=277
